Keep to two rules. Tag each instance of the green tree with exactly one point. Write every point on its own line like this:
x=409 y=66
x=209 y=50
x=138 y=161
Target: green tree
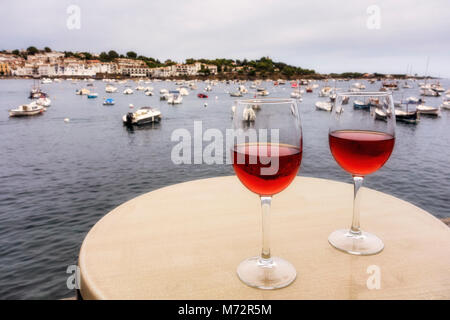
x=113 y=55
x=32 y=50
x=104 y=57
x=47 y=49
x=16 y=52
x=131 y=55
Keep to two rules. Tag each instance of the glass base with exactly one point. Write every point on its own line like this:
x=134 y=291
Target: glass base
x=273 y=273
x=363 y=244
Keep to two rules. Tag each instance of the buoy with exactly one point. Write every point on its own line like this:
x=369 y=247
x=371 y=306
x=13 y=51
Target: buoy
x=205 y=105
x=66 y=119
x=217 y=97
x=131 y=106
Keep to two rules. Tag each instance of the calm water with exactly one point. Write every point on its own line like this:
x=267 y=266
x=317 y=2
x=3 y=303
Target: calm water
x=57 y=179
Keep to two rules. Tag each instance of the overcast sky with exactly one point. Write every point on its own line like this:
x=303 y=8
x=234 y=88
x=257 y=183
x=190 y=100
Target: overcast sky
x=325 y=35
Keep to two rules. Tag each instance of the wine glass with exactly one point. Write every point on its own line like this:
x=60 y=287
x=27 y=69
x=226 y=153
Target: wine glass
x=266 y=152
x=361 y=141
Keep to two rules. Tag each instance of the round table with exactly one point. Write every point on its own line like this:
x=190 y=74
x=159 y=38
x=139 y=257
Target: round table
x=185 y=241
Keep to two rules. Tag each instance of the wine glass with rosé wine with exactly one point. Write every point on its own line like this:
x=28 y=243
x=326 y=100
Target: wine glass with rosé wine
x=266 y=152
x=361 y=142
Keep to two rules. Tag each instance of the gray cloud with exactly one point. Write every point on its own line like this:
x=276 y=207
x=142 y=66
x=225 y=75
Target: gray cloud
x=328 y=36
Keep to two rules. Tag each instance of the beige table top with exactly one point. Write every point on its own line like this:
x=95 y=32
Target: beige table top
x=186 y=240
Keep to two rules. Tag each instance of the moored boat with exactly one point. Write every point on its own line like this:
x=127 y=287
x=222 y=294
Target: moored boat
x=108 y=102
x=26 y=110
x=429 y=110
x=357 y=104
x=142 y=116
x=324 y=106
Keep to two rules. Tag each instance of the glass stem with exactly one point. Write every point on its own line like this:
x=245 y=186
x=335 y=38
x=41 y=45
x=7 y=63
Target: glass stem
x=357 y=183
x=265 y=206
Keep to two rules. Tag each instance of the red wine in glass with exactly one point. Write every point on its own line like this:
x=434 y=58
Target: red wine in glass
x=250 y=159
x=361 y=152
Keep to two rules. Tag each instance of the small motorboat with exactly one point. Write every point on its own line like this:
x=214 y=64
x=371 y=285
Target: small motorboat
x=380 y=114
x=357 y=104
x=108 y=102
x=46 y=81
x=148 y=93
x=296 y=94
x=142 y=116
x=324 y=106
x=202 y=96
x=359 y=86
x=243 y=89
x=92 y=95
x=429 y=93
x=26 y=110
x=407 y=116
x=208 y=88
x=428 y=110
x=325 y=92
x=128 y=91
x=82 y=92
x=263 y=93
x=413 y=100
x=175 y=99
x=44 y=101
x=36 y=93
x=183 y=91
x=163 y=91
x=445 y=105
x=309 y=89
x=139 y=88
x=110 y=89
x=236 y=94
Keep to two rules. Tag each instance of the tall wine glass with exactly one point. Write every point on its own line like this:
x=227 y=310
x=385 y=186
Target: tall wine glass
x=361 y=141
x=266 y=152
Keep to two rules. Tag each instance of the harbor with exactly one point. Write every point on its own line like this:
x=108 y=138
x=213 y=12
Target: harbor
x=64 y=169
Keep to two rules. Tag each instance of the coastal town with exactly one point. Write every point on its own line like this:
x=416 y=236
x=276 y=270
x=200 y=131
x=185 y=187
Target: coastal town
x=59 y=64
x=33 y=62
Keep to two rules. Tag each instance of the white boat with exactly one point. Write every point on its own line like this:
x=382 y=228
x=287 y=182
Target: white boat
x=296 y=94
x=446 y=105
x=243 y=89
x=46 y=81
x=128 y=91
x=163 y=91
x=139 y=88
x=406 y=85
x=263 y=93
x=45 y=102
x=249 y=115
x=358 y=85
x=428 y=110
x=325 y=92
x=110 y=89
x=236 y=94
x=175 y=99
x=148 y=89
x=324 y=106
x=142 y=116
x=83 y=91
x=208 y=88
x=429 y=93
x=26 y=110
x=183 y=91
x=148 y=93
